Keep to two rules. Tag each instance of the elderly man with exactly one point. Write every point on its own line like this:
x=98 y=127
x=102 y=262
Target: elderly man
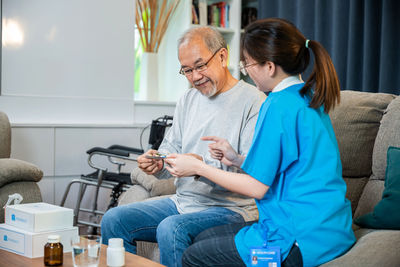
x=217 y=105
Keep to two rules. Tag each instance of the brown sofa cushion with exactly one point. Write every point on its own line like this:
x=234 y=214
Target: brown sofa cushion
x=356 y=122
x=5 y=136
x=14 y=170
x=355 y=188
x=373 y=249
x=379 y=219
x=388 y=135
x=371 y=195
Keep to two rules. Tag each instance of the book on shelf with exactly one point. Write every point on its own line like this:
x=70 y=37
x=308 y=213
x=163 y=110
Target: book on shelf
x=215 y=14
x=195 y=16
x=199 y=12
x=203 y=12
x=227 y=8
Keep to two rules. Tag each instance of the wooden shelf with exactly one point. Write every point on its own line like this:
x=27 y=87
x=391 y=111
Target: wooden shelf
x=220 y=29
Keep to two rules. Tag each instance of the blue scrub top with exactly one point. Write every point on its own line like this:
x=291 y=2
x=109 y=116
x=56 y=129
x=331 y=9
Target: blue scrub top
x=295 y=153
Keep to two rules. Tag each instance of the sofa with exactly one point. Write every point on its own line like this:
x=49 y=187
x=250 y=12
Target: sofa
x=16 y=176
x=365 y=124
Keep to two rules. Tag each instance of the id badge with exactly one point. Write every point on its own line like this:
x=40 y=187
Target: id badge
x=265 y=257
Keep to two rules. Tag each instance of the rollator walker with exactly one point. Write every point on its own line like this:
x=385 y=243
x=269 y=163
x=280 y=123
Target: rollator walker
x=117 y=181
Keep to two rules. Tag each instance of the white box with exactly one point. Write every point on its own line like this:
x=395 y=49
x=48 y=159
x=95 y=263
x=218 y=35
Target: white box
x=39 y=217
x=30 y=244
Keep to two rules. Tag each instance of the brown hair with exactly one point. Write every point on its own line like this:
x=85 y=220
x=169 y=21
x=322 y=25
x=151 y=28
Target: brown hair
x=279 y=41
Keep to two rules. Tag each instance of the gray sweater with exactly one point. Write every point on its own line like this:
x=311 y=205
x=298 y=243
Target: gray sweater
x=231 y=115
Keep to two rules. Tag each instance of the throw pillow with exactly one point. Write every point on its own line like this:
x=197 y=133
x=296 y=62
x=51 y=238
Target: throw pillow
x=386 y=213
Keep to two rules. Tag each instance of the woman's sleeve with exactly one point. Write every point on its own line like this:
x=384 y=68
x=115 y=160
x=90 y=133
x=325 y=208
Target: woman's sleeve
x=274 y=146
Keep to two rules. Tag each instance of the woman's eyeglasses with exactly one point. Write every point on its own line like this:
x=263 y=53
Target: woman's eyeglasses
x=243 y=67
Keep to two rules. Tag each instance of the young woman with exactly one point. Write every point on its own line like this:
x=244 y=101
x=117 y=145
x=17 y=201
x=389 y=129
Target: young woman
x=293 y=168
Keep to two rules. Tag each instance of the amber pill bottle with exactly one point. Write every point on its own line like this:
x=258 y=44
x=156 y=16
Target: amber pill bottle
x=53 y=251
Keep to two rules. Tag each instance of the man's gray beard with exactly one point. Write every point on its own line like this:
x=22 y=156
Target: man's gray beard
x=212 y=92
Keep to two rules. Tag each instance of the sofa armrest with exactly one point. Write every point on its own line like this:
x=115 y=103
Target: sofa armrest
x=14 y=170
x=135 y=193
x=376 y=248
x=155 y=186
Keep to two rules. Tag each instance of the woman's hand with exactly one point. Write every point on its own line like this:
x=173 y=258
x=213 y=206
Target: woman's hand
x=150 y=166
x=180 y=165
x=223 y=151
x=195 y=156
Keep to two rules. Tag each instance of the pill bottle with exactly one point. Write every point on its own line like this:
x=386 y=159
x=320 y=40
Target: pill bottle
x=53 y=251
x=115 y=252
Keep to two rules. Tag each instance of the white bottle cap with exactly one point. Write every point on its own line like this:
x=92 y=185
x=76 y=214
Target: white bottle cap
x=115 y=243
x=53 y=239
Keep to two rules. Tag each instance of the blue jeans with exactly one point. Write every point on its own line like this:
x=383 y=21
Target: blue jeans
x=159 y=221
x=216 y=247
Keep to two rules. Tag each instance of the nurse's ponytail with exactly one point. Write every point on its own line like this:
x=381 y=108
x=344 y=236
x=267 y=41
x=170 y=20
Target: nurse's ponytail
x=323 y=78
x=279 y=41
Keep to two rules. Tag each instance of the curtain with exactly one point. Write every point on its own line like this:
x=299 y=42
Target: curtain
x=362 y=37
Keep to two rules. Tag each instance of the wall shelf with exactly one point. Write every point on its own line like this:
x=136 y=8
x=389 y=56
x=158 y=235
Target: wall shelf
x=220 y=29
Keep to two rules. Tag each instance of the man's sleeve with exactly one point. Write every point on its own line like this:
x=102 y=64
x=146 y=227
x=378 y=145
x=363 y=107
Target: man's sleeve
x=247 y=131
x=172 y=142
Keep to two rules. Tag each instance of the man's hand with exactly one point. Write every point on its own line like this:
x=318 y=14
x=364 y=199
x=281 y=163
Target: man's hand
x=150 y=166
x=223 y=151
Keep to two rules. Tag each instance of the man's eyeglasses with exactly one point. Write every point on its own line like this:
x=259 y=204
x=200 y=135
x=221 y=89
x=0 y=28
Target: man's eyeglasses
x=243 y=67
x=199 y=68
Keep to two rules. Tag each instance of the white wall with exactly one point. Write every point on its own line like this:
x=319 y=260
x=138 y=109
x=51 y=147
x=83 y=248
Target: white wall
x=61 y=151
x=171 y=84
x=67 y=85
x=67 y=61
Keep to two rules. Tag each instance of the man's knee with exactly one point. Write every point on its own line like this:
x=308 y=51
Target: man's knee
x=111 y=221
x=165 y=229
x=110 y=217
x=171 y=229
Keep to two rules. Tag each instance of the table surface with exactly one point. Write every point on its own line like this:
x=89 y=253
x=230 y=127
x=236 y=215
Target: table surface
x=9 y=259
